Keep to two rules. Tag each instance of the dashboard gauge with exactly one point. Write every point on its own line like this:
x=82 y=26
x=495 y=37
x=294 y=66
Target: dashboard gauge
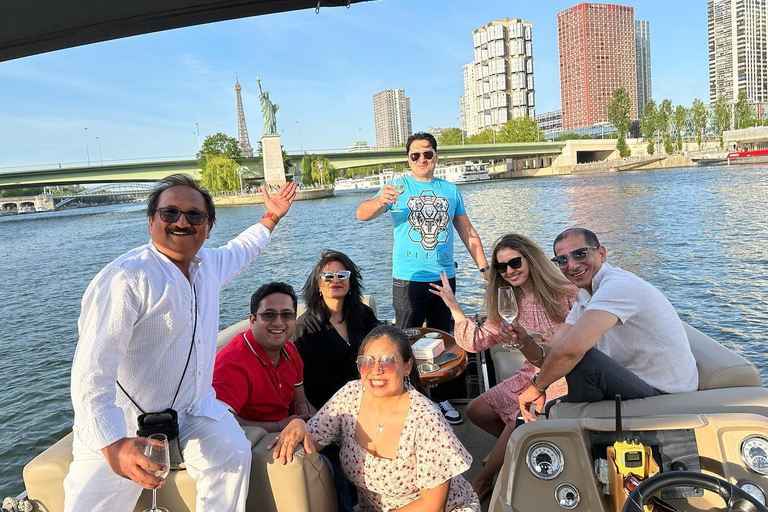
x=754 y=453
x=752 y=489
x=545 y=460
x=567 y=496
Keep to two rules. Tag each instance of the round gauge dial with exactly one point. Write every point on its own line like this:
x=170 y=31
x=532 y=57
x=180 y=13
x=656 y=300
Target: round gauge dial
x=545 y=460
x=752 y=489
x=567 y=496
x=754 y=453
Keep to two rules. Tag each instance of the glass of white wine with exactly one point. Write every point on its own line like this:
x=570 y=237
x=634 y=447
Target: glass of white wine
x=508 y=311
x=399 y=183
x=157 y=451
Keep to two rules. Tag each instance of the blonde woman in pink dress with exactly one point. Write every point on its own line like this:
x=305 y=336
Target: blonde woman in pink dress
x=396 y=446
x=544 y=298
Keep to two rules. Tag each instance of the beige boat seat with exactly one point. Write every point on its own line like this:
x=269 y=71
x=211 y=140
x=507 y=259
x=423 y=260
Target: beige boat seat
x=720 y=371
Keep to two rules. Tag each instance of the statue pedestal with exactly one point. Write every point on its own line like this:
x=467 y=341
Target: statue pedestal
x=272 y=151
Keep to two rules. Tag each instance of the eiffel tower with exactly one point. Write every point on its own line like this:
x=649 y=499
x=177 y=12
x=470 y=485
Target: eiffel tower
x=242 y=131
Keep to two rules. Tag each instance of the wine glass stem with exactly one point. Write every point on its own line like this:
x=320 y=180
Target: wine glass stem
x=154 y=500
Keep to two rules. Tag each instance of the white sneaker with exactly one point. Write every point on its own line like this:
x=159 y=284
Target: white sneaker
x=452 y=415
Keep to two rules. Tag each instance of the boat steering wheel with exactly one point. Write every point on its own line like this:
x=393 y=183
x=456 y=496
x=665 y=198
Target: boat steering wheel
x=735 y=498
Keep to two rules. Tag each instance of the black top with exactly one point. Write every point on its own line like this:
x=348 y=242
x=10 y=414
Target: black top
x=329 y=361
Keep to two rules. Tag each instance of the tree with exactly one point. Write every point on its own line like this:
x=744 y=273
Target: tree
x=521 y=129
x=218 y=144
x=663 y=118
x=316 y=169
x=743 y=113
x=679 y=118
x=219 y=174
x=618 y=110
x=570 y=136
x=699 y=117
x=451 y=137
x=484 y=137
x=722 y=116
x=648 y=124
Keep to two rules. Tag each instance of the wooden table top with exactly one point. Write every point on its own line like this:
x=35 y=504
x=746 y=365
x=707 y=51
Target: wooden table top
x=447 y=371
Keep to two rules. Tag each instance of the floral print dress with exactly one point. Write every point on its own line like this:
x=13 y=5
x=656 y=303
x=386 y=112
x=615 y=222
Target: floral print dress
x=429 y=454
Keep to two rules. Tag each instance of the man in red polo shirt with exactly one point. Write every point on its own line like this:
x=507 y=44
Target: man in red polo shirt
x=259 y=373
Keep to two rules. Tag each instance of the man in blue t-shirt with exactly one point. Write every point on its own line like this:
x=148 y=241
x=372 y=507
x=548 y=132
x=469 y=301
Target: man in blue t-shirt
x=423 y=215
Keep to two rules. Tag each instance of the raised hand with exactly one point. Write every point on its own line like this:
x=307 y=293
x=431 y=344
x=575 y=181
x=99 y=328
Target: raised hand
x=281 y=202
x=388 y=195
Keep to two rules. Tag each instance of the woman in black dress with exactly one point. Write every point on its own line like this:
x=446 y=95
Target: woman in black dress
x=329 y=333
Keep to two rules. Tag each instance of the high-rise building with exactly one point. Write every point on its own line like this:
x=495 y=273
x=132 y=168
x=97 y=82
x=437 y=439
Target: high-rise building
x=500 y=87
x=738 y=61
x=597 y=56
x=392 y=118
x=643 y=60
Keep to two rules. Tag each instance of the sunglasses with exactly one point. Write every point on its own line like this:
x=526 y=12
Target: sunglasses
x=427 y=156
x=170 y=215
x=577 y=255
x=514 y=264
x=341 y=275
x=271 y=316
x=387 y=363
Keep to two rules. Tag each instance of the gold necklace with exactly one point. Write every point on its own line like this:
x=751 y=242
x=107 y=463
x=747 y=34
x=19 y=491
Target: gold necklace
x=381 y=425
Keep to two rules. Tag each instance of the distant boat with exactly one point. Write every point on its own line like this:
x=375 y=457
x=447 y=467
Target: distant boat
x=42 y=209
x=759 y=156
x=27 y=209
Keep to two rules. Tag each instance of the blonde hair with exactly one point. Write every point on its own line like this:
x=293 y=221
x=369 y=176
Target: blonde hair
x=549 y=284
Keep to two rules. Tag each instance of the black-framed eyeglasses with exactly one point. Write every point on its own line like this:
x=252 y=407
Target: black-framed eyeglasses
x=561 y=260
x=387 y=363
x=194 y=217
x=341 y=275
x=514 y=264
x=428 y=155
x=271 y=316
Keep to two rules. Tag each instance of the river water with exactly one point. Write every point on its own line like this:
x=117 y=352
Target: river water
x=699 y=235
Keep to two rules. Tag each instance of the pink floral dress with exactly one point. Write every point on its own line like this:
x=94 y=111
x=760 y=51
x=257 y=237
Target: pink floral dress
x=428 y=455
x=533 y=317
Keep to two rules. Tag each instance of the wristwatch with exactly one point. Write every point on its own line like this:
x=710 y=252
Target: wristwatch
x=485 y=269
x=534 y=384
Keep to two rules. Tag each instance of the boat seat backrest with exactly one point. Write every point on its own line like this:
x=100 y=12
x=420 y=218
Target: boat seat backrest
x=718 y=367
x=304 y=484
x=230 y=332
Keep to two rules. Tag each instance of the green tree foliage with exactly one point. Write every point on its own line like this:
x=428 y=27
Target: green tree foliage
x=219 y=174
x=679 y=118
x=699 y=117
x=484 y=137
x=218 y=144
x=648 y=124
x=664 y=117
x=618 y=110
x=571 y=136
x=450 y=137
x=522 y=129
x=744 y=114
x=21 y=191
x=722 y=113
x=372 y=169
x=313 y=167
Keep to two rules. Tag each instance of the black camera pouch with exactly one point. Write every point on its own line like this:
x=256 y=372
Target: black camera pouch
x=166 y=422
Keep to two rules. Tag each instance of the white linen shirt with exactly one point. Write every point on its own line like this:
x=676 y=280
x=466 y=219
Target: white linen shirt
x=649 y=339
x=136 y=327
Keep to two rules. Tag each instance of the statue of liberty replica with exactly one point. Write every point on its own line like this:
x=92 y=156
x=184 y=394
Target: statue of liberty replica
x=268 y=110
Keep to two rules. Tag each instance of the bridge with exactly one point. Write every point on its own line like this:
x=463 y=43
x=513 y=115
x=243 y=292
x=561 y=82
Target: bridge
x=116 y=192
x=154 y=171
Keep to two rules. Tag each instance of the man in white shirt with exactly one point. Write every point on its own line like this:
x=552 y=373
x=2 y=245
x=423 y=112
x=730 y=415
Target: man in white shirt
x=148 y=331
x=622 y=335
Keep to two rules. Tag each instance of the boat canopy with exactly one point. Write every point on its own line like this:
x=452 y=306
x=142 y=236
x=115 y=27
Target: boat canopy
x=29 y=27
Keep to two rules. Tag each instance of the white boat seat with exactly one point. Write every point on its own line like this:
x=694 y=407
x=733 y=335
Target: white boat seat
x=718 y=367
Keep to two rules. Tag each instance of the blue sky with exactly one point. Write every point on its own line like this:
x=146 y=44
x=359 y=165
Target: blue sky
x=142 y=96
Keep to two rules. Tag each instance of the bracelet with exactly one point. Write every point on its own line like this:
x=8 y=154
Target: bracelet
x=271 y=216
x=485 y=269
x=533 y=383
x=543 y=355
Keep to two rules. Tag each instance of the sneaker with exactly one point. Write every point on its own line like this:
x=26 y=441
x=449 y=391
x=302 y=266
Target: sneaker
x=452 y=415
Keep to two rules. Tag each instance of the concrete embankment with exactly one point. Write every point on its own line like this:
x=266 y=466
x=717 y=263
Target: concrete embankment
x=670 y=162
x=257 y=198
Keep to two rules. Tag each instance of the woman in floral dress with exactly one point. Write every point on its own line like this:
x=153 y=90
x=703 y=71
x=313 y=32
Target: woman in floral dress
x=396 y=446
x=544 y=297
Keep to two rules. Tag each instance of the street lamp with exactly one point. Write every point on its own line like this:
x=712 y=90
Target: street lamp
x=100 y=158
x=87 y=155
x=240 y=174
x=198 y=136
x=301 y=141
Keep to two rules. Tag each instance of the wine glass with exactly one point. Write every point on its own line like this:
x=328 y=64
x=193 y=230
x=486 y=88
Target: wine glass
x=399 y=183
x=508 y=311
x=157 y=451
